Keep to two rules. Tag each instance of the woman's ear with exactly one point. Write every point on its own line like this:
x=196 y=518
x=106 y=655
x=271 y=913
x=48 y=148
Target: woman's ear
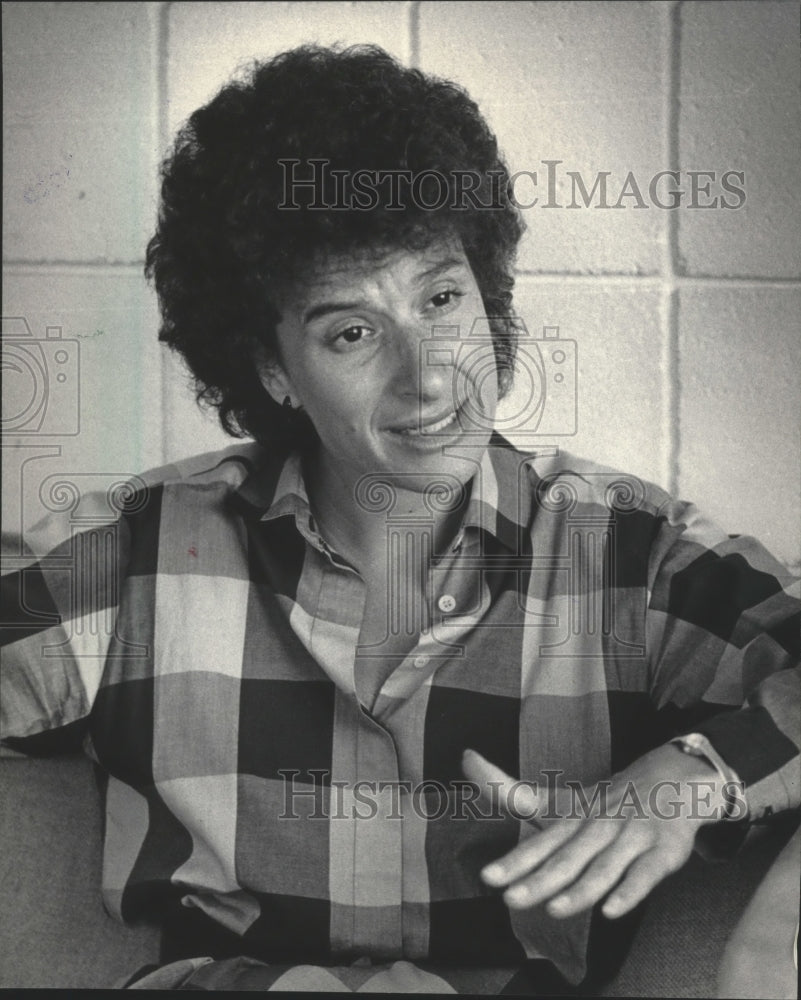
x=276 y=381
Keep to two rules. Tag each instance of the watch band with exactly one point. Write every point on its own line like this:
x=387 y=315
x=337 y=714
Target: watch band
x=698 y=745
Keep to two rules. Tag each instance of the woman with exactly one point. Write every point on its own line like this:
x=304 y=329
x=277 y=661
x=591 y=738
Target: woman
x=381 y=596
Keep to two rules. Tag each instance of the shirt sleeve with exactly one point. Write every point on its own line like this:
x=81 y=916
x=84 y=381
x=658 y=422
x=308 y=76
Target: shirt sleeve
x=60 y=594
x=724 y=620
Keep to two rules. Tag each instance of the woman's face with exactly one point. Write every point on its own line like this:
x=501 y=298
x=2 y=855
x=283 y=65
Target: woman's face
x=392 y=362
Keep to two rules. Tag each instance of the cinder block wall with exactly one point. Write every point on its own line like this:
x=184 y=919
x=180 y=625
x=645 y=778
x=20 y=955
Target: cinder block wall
x=685 y=320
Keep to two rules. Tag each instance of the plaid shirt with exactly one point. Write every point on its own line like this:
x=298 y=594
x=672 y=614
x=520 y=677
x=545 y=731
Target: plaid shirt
x=195 y=633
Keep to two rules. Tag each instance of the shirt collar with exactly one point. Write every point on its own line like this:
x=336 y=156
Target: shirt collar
x=274 y=487
x=501 y=494
x=500 y=501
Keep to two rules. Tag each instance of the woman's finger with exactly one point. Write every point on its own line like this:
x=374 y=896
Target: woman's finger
x=602 y=874
x=521 y=799
x=528 y=855
x=646 y=872
x=541 y=867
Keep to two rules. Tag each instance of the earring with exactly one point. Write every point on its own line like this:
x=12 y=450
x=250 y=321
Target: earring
x=287 y=403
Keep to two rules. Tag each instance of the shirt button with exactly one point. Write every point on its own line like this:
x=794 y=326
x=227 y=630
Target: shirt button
x=420 y=661
x=446 y=603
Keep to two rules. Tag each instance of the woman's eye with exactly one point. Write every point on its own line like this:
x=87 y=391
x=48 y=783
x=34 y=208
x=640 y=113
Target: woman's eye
x=445 y=298
x=353 y=334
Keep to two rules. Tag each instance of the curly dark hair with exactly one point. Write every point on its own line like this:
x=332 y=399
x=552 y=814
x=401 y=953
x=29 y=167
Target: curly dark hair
x=227 y=245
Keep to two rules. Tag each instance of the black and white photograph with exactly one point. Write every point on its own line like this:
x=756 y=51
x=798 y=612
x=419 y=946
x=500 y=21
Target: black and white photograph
x=401 y=549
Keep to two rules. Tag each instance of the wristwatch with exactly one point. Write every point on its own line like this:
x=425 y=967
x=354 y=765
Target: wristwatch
x=697 y=745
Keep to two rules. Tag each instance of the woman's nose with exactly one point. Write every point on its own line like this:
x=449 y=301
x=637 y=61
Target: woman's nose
x=425 y=362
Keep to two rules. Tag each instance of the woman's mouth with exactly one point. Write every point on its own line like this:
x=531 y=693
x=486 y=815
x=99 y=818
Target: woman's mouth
x=420 y=429
x=430 y=435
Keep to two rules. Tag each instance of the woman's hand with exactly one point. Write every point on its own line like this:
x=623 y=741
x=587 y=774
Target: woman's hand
x=620 y=848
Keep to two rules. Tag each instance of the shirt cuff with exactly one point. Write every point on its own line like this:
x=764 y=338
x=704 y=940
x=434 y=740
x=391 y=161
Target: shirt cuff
x=763 y=757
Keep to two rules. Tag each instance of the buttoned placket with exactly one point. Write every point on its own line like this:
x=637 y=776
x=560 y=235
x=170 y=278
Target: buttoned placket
x=451 y=593
x=367 y=869
x=371 y=753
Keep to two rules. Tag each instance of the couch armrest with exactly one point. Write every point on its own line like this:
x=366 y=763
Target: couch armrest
x=54 y=931
x=679 y=946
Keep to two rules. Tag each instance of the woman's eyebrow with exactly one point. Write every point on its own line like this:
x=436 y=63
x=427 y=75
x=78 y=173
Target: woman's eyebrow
x=326 y=308
x=443 y=265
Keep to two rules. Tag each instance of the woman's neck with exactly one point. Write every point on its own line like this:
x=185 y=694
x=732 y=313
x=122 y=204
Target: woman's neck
x=355 y=516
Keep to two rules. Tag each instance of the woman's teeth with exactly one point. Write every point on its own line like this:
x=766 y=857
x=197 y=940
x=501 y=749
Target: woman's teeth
x=440 y=425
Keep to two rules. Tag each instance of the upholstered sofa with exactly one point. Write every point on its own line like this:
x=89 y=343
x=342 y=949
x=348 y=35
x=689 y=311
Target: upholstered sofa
x=55 y=933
